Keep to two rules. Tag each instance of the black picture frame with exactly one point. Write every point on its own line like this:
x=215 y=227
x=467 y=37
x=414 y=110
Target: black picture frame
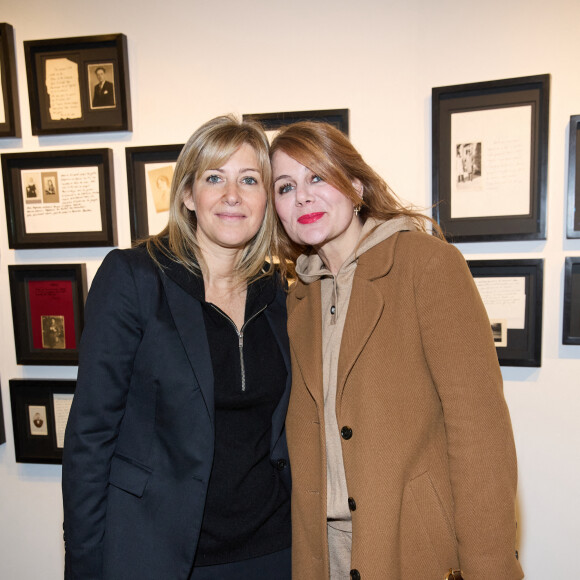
x=39 y=413
x=75 y=176
x=10 y=114
x=522 y=346
x=144 y=195
x=571 y=320
x=47 y=312
x=573 y=202
x=274 y=121
x=486 y=127
x=2 y=427
x=63 y=74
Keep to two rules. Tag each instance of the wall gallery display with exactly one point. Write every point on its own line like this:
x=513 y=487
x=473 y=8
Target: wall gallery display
x=274 y=121
x=47 y=312
x=490 y=159
x=512 y=292
x=9 y=108
x=571 y=323
x=573 y=213
x=149 y=174
x=78 y=85
x=60 y=199
x=40 y=410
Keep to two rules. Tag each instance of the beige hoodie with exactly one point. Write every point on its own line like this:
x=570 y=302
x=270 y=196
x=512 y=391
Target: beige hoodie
x=335 y=296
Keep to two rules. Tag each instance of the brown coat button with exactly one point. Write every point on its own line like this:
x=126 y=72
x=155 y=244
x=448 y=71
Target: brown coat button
x=346 y=433
x=351 y=504
x=354 y=575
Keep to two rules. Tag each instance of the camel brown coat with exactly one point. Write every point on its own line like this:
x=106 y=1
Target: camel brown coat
x=430 y=463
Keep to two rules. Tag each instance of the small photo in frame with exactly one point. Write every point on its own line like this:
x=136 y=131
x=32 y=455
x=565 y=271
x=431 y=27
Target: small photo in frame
x=47 y=312
x=9 y=107
x=571 y=322
x=60 y=199
x=79 y=84
x=573 y=205
x=512 y=292
x=40 y=410
x=149 y=176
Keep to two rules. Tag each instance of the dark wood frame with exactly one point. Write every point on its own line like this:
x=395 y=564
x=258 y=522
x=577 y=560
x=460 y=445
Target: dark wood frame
x=85 y=51
x=571 y=319
x=19 y=276
x=532 y=90
x=11 y=125
x=12 y=166
x=273 y=121
x=2 y=427
x=524 y=346
x=23 y=393
x=573 y=209
x=137 y=158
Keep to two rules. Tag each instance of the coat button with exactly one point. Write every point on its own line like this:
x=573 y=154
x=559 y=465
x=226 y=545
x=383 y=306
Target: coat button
x=333 y=310
x=354 y=575
x=351 y=504
x=346 y=432
x=280 y=464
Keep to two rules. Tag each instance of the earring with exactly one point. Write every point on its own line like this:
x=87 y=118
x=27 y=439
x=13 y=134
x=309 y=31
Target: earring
x=357 y=209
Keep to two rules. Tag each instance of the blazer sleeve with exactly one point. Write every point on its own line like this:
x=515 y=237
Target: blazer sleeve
x=110 y=339
x=461 y=355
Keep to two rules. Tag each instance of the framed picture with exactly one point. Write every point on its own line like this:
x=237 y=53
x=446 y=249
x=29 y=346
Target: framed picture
x=274 y=121
x=512 y=292
x=78 y=85
x=490 y=159
x=571 y=325
x=40 y=410
x=573 y=216
x=47 y=312
x=149 y=175
x=60 y=199
x=9 y=107
x=2 y=428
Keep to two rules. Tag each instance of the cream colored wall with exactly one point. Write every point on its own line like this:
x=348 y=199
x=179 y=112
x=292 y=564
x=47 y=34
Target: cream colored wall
x=191 y=60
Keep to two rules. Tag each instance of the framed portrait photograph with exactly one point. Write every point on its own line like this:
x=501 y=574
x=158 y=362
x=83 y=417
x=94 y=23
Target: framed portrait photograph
x=78 y=85
x=571 y=322
x=60 y=199
x=149 y=174
x=47 y=312
x=490 y=159
x=40 y=410
x=9 y=107
x=272 y=122
x=512 y=292
x=573 y=204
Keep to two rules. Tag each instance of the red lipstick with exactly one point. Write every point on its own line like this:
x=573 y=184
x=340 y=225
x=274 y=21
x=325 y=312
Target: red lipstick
x=310 y=218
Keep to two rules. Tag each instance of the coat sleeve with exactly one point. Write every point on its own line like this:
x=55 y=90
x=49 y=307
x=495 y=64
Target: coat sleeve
x=461 y=355
x=109 y=341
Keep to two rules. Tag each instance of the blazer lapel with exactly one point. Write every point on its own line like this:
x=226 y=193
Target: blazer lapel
x=305 y=332
x=188 y=318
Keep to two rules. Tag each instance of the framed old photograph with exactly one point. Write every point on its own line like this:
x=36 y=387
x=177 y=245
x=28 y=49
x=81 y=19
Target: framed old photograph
x=60 y=199
x=274 y=121
x=40 y=410
x=573 y=209
x=149 y=174
x=78 y=85
x=9 y=107
x=512 y=292
x=47 y=312
x=571 y=324
x=490 y=159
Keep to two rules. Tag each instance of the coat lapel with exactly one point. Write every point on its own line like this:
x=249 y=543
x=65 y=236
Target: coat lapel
x=188 y=318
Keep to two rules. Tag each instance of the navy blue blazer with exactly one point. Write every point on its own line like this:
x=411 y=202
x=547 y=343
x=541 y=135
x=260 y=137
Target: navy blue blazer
x=139 y=441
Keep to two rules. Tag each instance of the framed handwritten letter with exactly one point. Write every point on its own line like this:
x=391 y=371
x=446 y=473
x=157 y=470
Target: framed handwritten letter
x=9 y=109
x=78 y=85
x=149 y=175
x=59 y=199
x=47 y=312
x=512 y=292
x=40 y=410
x=490 y=159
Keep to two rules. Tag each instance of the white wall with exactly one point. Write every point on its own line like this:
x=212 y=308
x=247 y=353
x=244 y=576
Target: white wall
x=191 y=60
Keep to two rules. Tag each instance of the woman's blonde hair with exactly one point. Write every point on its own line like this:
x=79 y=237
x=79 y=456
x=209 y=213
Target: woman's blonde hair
x=209 y=147
x=328 y=153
